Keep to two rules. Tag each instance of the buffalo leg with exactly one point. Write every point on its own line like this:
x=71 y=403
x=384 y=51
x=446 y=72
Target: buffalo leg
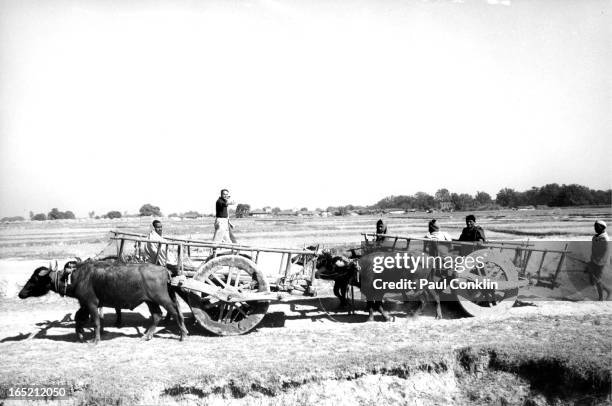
x=422 y=304
x=101 y=313
x=384 y=313
x=340 y=292
x=95 y=315
x=118 y=317
x=174 y=311
x=370 y=308
x=81 y=317
x=156 y=316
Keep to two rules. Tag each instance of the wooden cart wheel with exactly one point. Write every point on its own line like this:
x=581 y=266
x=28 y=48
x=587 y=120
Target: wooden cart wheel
x=498 y=267
x=229 y=318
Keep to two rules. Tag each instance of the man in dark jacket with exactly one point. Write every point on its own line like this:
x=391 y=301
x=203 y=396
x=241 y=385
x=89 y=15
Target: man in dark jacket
x=381 y=228
x=472 y=232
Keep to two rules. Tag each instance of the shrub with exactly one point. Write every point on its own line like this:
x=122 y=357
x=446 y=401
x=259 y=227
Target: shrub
x=114 y=214
x=150 y=210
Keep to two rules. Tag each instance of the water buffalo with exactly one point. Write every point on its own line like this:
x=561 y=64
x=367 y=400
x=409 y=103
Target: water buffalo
x=110 y=284
x=345 y=272
x=71 y=266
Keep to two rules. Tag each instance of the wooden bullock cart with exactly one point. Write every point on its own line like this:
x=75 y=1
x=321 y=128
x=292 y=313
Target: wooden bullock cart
x=229 y=294
x=504 y=263
x=222 y=283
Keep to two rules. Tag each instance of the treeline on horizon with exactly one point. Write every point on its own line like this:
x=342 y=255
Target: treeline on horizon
x=551 y=195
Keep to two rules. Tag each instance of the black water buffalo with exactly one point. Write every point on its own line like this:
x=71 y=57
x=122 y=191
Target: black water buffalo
x=71 y=266
x=345 y=272
x=110 y=284
x=340 y=270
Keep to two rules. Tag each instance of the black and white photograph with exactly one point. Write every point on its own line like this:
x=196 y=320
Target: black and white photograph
x=305 y=202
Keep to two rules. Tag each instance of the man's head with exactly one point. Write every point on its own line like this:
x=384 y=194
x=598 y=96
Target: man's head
x=225 y=194
x=433 y=226
x=600 y=226
x=157 y=226
x=470 y=221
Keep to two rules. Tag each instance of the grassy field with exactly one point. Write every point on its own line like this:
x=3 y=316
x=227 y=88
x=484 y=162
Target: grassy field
x=304 y=352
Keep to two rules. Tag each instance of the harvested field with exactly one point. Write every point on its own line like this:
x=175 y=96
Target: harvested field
x=304 y=351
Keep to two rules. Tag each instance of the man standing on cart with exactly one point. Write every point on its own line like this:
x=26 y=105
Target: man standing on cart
x=223 y=227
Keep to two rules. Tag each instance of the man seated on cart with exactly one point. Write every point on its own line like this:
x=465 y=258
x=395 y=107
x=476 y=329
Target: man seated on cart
x=154 y=252
x=472 y=232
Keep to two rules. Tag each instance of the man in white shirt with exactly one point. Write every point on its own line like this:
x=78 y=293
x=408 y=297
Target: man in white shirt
x=435 y=233
x=153 y=253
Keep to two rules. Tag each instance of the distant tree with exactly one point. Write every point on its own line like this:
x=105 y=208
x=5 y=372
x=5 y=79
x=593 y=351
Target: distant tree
x=508 y=198
x=91 y=214
x=39 y=217
x=150 y=210
x=318 y=209
x=56 y=214
x=276 y=210
x=113 y=214
x=482 y=198
x=442 y=195
x=304 y=209
x=242 y=210
x=341 y=211
x=10 y=219
x=31 y=215
x=462 y=201
x=424 y=200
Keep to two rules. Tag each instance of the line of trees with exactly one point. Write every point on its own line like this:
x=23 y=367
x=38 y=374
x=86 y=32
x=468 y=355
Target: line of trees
x=552 y=195
x=54 y=214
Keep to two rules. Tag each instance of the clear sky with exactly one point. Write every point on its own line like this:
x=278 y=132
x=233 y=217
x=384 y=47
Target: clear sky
x=107 y=105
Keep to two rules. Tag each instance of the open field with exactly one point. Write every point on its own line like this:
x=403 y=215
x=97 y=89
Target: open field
x=304 y=352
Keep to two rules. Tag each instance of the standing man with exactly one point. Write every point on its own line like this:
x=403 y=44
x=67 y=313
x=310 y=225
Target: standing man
x=223 y=227
x=600 y=252
x=472 y=232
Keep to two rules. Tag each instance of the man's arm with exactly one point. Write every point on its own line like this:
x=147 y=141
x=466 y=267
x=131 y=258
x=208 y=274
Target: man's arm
x=480 y=235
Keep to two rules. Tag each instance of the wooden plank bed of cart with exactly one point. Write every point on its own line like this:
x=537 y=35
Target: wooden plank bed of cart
x=222 y=283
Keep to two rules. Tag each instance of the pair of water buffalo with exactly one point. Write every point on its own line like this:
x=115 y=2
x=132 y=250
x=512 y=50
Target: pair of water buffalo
x=109 y=283
x=97 y=284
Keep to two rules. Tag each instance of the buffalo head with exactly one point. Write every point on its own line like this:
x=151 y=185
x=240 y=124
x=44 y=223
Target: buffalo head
x=38 y=284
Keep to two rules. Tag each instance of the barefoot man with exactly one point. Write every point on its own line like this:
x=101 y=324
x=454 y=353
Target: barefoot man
x=223 y=227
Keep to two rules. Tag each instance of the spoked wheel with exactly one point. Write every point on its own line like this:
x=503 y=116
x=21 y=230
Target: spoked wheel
x=497 y=268
x=230 y=273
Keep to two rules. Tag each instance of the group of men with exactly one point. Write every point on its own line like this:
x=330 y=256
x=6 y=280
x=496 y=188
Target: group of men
x=471 y=232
